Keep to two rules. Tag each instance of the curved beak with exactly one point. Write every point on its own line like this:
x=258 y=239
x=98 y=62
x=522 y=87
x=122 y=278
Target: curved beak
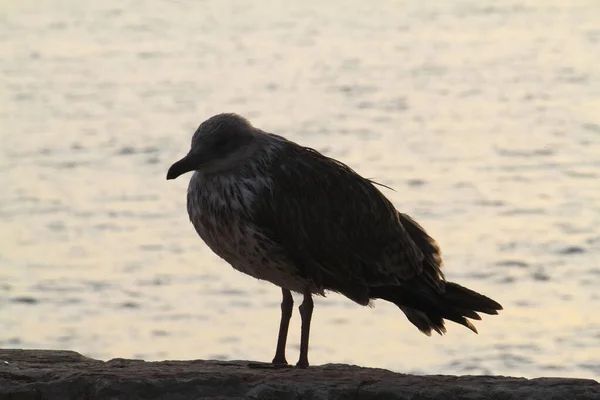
x=186 y=164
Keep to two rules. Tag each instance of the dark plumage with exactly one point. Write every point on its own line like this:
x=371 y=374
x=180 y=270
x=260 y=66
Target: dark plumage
x=308 y=223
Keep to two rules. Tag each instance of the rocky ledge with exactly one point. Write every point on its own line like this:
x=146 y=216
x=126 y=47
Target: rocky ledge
x=62 y=375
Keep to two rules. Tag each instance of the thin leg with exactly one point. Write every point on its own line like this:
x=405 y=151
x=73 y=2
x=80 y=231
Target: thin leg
x=306 y=309
x=287 y=306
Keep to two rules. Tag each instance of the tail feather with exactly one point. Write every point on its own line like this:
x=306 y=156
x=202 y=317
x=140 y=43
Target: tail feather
x=468 y=313
x=425 y=323
x=469 y=299
x=428 y=299
x=426 y=307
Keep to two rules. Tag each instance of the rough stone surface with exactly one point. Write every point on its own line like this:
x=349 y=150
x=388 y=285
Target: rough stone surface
x=63 y=375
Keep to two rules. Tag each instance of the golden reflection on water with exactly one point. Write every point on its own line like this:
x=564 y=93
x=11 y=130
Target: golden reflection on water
x=481 y=117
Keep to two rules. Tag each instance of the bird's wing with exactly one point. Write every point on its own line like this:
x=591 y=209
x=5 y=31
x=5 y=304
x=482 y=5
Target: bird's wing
x=333 y=224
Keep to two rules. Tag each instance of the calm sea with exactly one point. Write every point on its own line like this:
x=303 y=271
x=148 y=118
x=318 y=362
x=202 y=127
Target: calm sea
x=484 y=117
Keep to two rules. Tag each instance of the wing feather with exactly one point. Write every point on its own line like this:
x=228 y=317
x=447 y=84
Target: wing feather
x=337 y=227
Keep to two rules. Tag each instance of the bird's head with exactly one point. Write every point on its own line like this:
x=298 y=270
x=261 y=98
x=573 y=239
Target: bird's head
x=219 y=144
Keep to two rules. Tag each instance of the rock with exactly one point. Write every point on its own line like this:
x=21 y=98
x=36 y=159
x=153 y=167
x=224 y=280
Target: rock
x=63 y=375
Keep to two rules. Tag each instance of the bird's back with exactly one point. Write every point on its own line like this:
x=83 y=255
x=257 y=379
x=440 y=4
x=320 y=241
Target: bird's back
x=338 y=229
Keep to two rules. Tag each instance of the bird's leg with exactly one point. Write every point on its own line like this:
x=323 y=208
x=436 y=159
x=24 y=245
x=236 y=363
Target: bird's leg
x=306 y=309
x=287 y=306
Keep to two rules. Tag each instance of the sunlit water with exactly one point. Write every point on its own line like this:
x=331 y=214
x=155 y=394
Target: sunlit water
x=483 y=116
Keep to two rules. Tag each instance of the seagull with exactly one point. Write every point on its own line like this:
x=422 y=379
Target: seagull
x=289 y=215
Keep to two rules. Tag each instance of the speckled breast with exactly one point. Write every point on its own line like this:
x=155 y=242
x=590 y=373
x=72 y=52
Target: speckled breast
x=221 y=210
